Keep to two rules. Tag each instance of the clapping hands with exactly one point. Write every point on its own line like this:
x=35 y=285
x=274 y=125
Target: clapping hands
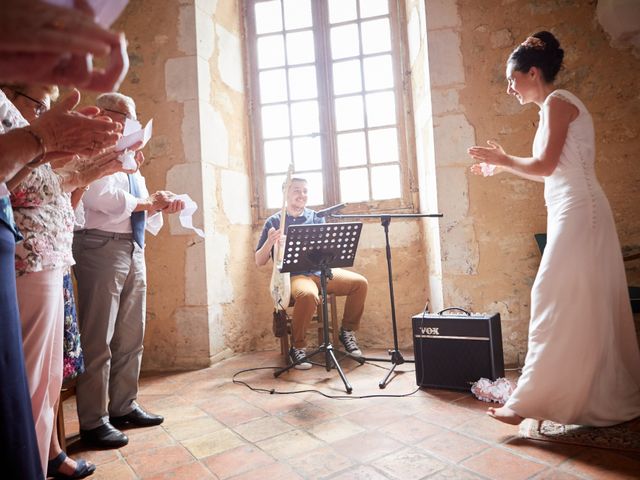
x=490 y=159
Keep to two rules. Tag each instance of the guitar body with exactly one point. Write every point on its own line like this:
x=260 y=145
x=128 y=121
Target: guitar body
x=280 y=288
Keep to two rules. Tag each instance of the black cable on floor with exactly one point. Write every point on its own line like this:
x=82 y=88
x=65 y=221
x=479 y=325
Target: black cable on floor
x=273 y=391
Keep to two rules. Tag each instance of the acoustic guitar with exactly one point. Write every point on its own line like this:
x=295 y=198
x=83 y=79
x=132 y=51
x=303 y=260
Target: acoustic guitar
x=280 y=285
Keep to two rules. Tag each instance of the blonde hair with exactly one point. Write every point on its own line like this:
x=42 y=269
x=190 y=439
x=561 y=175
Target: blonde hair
x=52 y=90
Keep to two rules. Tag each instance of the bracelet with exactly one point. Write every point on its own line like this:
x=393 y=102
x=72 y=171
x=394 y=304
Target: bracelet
x=41 y=144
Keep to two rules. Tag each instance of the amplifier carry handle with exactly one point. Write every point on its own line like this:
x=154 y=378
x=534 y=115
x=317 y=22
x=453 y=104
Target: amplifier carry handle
x=453 y=308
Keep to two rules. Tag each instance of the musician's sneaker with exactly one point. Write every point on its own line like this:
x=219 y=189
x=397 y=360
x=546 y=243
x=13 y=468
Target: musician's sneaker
x=348 y=339
x=296 y=354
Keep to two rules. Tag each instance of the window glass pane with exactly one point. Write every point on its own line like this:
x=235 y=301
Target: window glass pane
x=297 y=14
x=383 y=145
x=315 y=187
x=300 y=47
x=342 y=10
x=275 y=121
x=347 y=77
x=354 y=185
x=302 y=83
x=381 y=109
x=344 y=41
x=385 y=182
x=352 y=149
x=268 y=17
x=273 y=86
x=274 y=190
x=376 y=36
x=270 y=51
x=372 y=8
x=378 y=72
x=307 y=154
x=304 y=118
x=277 y=156
x=349 y=115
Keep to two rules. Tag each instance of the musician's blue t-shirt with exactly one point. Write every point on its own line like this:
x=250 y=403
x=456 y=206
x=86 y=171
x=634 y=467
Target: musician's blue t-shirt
x=308 y=217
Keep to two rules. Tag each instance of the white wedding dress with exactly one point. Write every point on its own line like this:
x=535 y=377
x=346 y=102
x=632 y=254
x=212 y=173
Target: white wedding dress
x=583 y=363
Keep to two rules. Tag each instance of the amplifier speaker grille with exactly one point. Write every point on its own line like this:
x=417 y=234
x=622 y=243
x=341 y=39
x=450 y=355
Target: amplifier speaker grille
x=453 y=351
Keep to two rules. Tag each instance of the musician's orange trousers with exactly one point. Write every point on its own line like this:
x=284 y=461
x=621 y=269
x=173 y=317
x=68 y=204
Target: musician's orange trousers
x=305 y=291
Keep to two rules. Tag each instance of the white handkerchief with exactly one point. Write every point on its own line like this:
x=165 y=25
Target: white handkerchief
x=128 y=160
x=186 y=215
x=133 y=133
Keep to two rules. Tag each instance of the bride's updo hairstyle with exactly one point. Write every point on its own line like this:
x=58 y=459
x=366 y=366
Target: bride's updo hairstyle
x=540 y=50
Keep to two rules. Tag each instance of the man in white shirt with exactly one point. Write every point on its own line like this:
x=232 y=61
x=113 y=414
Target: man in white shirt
x=111 y=274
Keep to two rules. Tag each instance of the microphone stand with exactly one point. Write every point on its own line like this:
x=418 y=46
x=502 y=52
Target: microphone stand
x=385 y=219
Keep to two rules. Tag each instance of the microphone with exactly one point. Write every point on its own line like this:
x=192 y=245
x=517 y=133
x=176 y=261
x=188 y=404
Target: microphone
x=330 y=210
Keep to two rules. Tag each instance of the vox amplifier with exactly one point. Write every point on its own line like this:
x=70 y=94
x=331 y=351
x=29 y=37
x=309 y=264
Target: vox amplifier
x=454 y=350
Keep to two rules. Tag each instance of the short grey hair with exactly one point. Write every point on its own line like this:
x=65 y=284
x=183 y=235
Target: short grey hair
x=117 y=102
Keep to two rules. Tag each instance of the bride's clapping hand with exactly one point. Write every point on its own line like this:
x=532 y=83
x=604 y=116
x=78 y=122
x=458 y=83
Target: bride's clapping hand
x=491 y=159
x=493 y=154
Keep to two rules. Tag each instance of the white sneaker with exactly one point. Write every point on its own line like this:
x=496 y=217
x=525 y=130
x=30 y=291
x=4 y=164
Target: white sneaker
x=297 y=354
x=348 y=339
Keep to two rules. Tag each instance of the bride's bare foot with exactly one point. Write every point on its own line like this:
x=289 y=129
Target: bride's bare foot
x=505 y=415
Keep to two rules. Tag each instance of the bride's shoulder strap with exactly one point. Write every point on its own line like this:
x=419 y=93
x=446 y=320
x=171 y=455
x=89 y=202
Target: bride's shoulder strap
x=568 y=97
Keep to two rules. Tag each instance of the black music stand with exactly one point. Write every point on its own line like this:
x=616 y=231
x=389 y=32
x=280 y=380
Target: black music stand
x=319 y=247
x=385 y=219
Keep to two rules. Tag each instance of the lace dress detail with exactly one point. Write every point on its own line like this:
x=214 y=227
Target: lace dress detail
x=583 y=364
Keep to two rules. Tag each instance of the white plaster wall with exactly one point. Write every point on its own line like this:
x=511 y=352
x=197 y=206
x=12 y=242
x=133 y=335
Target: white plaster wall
x=229 y=51
x=425 y=152
x=236 y=197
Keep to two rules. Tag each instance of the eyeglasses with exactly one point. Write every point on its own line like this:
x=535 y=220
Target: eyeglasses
x=40 y=108
x=125 y=115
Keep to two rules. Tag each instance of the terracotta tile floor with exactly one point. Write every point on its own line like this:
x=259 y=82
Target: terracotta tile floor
x=215 y=429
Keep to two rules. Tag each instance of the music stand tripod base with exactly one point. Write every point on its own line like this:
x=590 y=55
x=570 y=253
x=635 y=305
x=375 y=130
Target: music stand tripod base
x=385 y=219
x=319 y=247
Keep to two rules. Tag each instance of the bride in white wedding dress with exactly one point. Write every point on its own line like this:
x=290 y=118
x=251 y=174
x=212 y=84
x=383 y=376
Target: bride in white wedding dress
x=583 y=363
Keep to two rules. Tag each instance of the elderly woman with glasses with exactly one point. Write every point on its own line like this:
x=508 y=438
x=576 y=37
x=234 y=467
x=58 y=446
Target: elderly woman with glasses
x=43 y=213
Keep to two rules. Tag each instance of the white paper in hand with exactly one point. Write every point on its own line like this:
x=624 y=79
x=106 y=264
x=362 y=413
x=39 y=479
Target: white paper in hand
x=186 y=215
x=133 y=133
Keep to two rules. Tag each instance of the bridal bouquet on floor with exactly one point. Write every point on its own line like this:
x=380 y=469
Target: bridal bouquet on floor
x=497 y=391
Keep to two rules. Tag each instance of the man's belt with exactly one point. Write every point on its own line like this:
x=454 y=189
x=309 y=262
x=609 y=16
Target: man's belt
x=101 y=233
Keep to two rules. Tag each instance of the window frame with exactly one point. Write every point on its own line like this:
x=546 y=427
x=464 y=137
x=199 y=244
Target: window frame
x=407 y=202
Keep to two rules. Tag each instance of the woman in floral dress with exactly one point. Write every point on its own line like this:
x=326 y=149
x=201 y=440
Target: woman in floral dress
x=44 y=215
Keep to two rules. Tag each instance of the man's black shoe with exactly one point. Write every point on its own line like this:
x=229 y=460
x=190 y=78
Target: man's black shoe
x=105 y=436
x=137 y=418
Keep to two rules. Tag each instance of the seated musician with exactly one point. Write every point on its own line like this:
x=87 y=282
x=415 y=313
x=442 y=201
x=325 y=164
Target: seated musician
x=305 y=286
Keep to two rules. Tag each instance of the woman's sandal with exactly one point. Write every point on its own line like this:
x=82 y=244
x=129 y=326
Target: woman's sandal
x=83 y=469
